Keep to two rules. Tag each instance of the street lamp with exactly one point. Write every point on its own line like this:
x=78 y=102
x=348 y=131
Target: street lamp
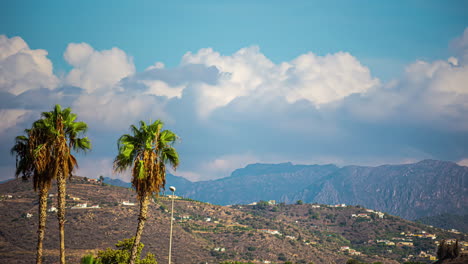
x=172 y=188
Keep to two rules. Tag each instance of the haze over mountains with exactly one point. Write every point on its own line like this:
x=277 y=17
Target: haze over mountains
x=412 y=191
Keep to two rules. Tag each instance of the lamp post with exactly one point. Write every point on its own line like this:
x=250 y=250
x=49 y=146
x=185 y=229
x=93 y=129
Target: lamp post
x=173 y=189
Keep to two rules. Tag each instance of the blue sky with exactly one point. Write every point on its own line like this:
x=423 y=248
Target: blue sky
x=346 y=82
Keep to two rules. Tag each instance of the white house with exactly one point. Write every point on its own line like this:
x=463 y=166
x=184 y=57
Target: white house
x=80 y=206
x=270 y=231
x=52 y=209
x=127 y=203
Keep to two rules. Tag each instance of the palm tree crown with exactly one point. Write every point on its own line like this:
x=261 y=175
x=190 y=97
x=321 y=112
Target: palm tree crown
x=148 y=149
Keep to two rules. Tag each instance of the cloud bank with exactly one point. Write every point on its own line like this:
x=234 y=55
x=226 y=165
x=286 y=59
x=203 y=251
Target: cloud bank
x=232 y=110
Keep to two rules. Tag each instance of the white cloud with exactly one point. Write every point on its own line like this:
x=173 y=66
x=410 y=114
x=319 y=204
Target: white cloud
x=94 y=70
x=219 y=167
x=460 y=45
x=248 y=72
x=160 y=88
x=23 y=69
x=111 y=111
x=463 y=162
x=11 y=118
x=93 y=168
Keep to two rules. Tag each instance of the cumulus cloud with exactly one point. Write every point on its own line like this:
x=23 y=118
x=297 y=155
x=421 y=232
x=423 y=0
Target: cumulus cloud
x=11 y=118
x=93 y=168
x=248 y=72
x=23 y=69
x=434 y=93
x=160 y=88
x=94 y=70
x=116 y=111
x=460 y=45
x=463 y=162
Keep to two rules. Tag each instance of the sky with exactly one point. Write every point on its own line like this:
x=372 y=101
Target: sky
x=241 y=82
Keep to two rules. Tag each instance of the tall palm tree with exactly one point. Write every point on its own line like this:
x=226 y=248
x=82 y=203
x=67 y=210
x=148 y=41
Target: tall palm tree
x=59 y=133
x=24 y=149
x=147 y=151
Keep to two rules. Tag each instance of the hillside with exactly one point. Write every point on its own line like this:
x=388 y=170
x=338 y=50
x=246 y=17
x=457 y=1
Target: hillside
x=411 y=191
x=447 y=221
x=210 y=233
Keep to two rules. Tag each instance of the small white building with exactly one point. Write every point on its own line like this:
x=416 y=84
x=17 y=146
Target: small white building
x=52 y=209
x=28 y=215
x=344 y=248
x=80 y=206
x=128 y=203
x=270 y=231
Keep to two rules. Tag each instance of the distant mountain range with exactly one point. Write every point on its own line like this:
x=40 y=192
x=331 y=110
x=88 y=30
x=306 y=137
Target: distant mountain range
x=411 y=191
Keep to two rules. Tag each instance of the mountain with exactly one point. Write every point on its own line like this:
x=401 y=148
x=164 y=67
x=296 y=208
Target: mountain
x=207 y=233
x=258 y=182
x=411 y=191
x=117 y=182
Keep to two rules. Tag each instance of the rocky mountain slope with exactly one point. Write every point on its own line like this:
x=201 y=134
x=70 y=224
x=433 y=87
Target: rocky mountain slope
x=210 y=233
x=411 y=191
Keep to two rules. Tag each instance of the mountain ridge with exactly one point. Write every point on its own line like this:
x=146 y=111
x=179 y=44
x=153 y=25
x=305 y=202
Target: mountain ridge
x=415 y=190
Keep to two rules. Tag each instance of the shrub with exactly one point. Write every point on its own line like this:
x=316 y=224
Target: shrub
x=448 y=249
x=282 y=257
x=88 y=259
x=121 y=255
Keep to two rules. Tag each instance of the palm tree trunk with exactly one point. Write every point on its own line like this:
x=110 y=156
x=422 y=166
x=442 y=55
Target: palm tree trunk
x=61 y=193
x=42 y=221
x=141 y=223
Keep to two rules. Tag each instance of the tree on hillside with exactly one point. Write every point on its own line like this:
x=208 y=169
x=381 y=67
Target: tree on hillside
x=24 y=151
x=59 y=133
x=147 y=151
x=448 y=249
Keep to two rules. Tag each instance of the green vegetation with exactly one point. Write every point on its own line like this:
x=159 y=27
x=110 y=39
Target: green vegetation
x=146 y=151
x=121 y=255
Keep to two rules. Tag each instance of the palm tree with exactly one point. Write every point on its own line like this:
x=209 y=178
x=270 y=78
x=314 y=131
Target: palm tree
x=147 y=151
x=59 y=133
x=24 y=150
